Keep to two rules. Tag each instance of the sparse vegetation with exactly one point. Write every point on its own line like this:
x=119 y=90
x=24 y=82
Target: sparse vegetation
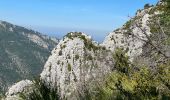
x=63 y=46
x=128 y=24
x=77 y=57
x=87 y=42
x=41 y=92
x=127 y=82
x=121 y=61
x=146 y=6
x=69 y=67
x=58 y=62
x=60 y=53
x=89 y=57
x=2 y=96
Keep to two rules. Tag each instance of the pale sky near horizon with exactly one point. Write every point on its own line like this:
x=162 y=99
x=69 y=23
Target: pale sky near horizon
x=57 y=17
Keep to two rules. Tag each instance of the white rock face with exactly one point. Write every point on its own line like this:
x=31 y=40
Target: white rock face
x=41 y=40
x=72 y=64
x=36 y=39
x=11 y=29
x=19 y=87
x=130 y=36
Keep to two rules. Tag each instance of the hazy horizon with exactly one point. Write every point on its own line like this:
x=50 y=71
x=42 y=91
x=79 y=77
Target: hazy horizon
x=58 y=17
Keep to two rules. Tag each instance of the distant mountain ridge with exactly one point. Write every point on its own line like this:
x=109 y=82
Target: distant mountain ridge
x=23 y=53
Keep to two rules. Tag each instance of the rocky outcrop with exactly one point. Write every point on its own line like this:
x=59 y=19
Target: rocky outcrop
x=20 y=87
x=131 y=36
x=76 y=61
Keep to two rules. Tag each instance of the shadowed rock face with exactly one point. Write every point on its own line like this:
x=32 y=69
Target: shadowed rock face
x=23 y=53
x=76 y=61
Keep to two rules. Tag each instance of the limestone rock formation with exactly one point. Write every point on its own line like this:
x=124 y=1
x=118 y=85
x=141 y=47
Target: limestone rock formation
x=20 y=87
x=130 y=37
x=76 y=61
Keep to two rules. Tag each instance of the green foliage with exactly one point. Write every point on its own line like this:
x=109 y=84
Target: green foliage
x=89 y=57
x=86 y=95
x=77 y=57
x=2 y=96
x=128 y=24
x=72 y=35
x=121 y=60
x=159 y=25
x=165 y=17
x=127 y=82
x=91 y=46
x=88 y=43
x=40 y=92
x=69 y=67
x=119 y=86
x=147 y=6
x=58 y=62
x=63 y=46
x=167 y=4
x=103 y=48
x=143 y=84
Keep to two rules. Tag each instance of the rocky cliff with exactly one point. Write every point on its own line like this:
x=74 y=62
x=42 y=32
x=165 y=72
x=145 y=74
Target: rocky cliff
x=75 y=62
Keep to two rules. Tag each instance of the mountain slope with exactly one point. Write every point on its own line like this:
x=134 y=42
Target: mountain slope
x=79 y=65
x=23 y=52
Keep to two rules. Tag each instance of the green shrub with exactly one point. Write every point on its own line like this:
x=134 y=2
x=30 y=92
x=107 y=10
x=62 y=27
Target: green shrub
x=146 y=6
x=77 y=57
x=69 y=67
x=128 y=24
x=121 y=60
x=87 y=42
x=89 y=57
x=41 y=92
x=127 y=82
x=68 y=56
x=60 y=53
x=63 y=46
x=2 y=96
x=143 y=84
x=58 y=62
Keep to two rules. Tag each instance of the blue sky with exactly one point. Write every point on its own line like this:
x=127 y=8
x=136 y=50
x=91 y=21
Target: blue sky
x=57 y=17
